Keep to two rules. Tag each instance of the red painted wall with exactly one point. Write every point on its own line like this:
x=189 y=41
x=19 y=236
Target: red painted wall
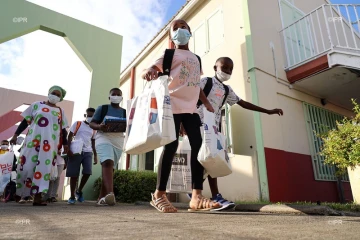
x=291 y=178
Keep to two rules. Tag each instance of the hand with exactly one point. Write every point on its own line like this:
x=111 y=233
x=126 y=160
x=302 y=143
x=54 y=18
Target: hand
x=70 y=153
x=209 y=107
x=276 y=111
x=102 y=127
x=95 y=160
x=13 y=140
x=182 y=131
x=66 y=149
x=150 y=74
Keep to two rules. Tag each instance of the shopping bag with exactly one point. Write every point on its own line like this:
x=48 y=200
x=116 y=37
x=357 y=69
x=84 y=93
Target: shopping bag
x=6 y=161
x=54 y=172
x=150 y=122
x=76 y=146
x=213 y=155
x=180 y=175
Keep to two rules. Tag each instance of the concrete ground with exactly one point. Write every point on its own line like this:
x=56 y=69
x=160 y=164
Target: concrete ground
x=86 y=221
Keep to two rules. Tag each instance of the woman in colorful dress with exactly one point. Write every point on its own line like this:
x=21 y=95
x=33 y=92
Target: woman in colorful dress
x=47 y=134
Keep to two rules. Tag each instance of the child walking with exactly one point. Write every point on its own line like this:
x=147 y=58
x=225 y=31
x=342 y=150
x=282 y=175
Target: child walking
x=219 y=94
x=184 y=70
x=108 y=144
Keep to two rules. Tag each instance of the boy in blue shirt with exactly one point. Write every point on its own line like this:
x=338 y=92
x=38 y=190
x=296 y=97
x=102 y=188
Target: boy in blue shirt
x=108 y=145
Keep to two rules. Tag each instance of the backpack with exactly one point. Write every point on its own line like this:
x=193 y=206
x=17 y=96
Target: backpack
x=10 y=191
x=207 y=89
x=168 y=58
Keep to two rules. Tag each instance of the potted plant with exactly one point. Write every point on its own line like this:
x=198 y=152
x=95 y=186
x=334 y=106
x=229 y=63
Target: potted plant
x=341 y=147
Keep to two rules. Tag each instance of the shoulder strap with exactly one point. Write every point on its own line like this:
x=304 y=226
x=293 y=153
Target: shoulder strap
x=226 y=94
x=78 y=124
x=167 y=61
x=207 y=89
x=104 y=110
x=199 y=61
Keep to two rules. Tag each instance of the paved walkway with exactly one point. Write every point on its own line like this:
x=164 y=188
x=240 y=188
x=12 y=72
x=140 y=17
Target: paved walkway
x=85 y=221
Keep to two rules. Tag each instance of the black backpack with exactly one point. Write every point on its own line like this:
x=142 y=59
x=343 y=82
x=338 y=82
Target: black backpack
x=10 y=191
x=168 y=58
x=208 y=87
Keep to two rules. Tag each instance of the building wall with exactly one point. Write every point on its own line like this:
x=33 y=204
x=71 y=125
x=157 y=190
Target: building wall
x=287 y=148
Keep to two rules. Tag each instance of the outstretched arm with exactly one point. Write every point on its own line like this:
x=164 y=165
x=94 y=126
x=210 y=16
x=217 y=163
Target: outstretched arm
x=255 y=108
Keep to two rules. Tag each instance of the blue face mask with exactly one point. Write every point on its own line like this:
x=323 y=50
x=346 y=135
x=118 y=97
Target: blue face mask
x=181 y=36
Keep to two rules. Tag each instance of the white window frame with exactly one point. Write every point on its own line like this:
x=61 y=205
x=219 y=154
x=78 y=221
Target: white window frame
x=206 y=25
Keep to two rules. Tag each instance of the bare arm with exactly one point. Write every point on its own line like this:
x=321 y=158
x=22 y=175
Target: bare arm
x=205 y=101
x=255 y=108
x=150 y=73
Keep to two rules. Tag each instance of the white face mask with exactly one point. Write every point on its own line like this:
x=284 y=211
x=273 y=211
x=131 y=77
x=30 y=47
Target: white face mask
x=88 y=119
x=116 y=99
x=222 y=76
x=53 y=99
x=4 y=147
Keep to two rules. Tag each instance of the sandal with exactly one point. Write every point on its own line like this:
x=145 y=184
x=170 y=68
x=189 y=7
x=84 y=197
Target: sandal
x=162 y=204
x=203 y=204
x=53 y=199
x=101 y=202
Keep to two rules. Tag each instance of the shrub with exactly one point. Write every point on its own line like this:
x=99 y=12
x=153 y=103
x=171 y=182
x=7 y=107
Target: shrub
x=341 y=146
x=131 y=186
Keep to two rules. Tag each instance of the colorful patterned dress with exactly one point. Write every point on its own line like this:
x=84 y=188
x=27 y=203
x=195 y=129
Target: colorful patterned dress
x=40 y=148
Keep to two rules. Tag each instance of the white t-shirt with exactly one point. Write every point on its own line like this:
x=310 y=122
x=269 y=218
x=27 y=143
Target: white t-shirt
x=216 y=98
x=85 y=133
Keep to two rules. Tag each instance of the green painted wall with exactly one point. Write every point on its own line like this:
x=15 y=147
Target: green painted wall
x=100 y=50
x=263 y=180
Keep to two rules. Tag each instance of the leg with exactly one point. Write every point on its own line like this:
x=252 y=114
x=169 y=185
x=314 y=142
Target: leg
x=213 y=186
x=87 y=158
x=72 y=171
x=166 y=159
x=192 y=124
x=53 y=193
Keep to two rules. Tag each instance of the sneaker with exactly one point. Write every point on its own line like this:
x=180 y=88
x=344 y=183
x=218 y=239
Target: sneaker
x=225 y=204
x=189 y=195
x=71 y=201
x=110 y=199
x=79 y=196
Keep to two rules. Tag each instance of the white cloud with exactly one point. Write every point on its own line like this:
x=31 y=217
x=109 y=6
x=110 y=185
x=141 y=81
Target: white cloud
x=38 y=60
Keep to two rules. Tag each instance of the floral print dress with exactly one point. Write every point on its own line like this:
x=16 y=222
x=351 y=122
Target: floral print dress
x=38 y=154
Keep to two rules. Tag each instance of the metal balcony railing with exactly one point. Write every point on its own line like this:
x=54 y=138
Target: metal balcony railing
x=328 y=27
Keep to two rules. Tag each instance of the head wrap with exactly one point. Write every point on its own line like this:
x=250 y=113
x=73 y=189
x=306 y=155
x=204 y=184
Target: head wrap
x=60 y=89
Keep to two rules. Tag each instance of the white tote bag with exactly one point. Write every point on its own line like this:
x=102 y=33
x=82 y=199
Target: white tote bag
x=150 y=122
x=6 y=162
x=180 y=175
x=213 y=155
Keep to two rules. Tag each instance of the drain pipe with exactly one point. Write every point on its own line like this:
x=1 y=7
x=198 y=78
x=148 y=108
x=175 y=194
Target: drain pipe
x=132 y=91
x=275 y=67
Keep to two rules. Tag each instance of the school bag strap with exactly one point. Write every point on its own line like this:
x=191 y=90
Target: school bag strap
x=78 y=124
x=208 y=87
x=167 y=61
x=104 y=110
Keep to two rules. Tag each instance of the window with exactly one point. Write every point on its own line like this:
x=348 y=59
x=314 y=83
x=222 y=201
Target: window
x=149 y=161
x=298 y=38
x=134 y=162
x=209 y=34
x=319 y=120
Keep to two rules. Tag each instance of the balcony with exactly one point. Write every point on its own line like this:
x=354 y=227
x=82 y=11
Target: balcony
x=322 y=52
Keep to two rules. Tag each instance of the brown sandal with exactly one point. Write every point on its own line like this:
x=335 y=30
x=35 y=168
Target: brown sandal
x=203 y=204
x=162 y=204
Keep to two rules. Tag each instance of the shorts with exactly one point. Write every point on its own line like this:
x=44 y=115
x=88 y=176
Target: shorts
x=74 y=163
x=108 y=152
